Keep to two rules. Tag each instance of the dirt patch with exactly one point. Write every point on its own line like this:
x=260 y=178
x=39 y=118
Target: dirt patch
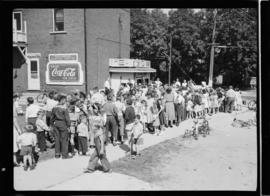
x=224 y=160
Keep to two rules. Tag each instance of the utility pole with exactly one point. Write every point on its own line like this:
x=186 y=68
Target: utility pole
x=170 y=59
x=210 y=82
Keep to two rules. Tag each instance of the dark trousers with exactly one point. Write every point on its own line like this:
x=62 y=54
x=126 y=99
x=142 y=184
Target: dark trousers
x=93 y=162
x=48 y=117
x=82 y=144
x=229 y=104
x=178 y=113
x=111 y=125
x=41 y=140
x=61 y=140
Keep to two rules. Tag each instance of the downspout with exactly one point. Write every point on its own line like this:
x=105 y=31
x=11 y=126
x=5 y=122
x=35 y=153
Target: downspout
x=85 y=52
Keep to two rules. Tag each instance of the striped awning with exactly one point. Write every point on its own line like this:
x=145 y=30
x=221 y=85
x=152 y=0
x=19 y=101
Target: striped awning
x=132 y=70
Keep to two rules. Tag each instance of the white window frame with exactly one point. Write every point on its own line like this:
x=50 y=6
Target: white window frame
x=53 y=31
x=37 y=60
x=13 y=18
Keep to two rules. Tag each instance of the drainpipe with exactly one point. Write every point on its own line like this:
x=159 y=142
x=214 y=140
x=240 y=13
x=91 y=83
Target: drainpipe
x=85 y=52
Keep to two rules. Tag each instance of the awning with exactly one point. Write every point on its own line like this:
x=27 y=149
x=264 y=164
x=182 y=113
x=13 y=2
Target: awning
x=18 y=57
x=132 y=70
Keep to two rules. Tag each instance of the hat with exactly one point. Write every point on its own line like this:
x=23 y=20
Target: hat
x=28 y=128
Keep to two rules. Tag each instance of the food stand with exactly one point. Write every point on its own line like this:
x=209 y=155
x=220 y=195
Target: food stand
x=123 y=71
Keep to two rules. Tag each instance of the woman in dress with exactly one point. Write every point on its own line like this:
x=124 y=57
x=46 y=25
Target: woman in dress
x=169 y=106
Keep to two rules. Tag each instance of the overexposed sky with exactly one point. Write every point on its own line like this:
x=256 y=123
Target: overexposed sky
x=166 y=11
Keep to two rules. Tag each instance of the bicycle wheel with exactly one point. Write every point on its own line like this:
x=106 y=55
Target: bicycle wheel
x=252 y=105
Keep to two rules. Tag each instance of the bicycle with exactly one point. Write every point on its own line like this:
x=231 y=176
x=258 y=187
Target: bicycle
x=252 y=105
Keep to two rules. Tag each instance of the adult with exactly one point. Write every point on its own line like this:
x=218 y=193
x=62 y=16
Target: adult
x=16 y=132
x=50 y=104
x=111 y=123
x=158 y=82
x=169 y=106
x=107 y=86
x=230 y=98
x=184 y=84
x=177 y=83
x=121 y=109
x=179 y=107
x=61 y=122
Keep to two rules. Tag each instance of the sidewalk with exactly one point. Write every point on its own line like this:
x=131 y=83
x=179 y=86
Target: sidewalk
x=58 y=174
x=56 y=171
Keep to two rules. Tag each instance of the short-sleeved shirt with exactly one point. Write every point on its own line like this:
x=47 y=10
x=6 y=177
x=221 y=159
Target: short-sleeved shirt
x=137 y=130
x=27 y=138
x=41 y=125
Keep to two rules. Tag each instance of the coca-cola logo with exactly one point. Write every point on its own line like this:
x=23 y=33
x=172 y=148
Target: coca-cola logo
x=64 y=72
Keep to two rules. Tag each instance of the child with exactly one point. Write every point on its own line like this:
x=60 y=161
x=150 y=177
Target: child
x=121 y=109
x=129 y=117
x=143 y=114
x=27 y=140
x=162 y=116
x=83 y=135
x=156 y=122
x=18 y=108
x=189 y=108
x=238 y=99
x=41 y=128
x=74 y=117
x=136 y=133
x=97 y=122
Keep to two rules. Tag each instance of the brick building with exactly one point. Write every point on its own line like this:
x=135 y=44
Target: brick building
x=67 y=48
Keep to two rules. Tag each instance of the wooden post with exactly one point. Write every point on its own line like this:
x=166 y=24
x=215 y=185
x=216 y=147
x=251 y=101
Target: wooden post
x=210 y=82
x=170 y=62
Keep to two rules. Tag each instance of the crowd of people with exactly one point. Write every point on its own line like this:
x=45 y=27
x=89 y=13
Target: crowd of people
x=79 y=121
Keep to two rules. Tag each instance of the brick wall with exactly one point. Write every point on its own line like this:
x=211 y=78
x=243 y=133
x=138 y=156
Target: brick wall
x=102 y=40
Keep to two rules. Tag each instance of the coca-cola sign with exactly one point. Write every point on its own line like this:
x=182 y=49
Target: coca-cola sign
x=64 y=72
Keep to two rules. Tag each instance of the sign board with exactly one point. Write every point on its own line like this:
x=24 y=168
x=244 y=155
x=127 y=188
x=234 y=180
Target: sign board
x=63 y=57
x=115 y=62
x=64 y=73
x=33 y=55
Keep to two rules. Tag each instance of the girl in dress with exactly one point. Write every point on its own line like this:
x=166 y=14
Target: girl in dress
x=205 y=103
x=238 y=100
x=212 y=102
x=189 y=108
x=143 y=114
x=162 y=118
x=215 y=102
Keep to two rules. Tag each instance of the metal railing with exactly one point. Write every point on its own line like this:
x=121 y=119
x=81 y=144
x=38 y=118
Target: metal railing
x=19 y=36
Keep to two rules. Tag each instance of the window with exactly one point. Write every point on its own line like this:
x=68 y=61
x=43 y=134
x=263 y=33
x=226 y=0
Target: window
x=17 y=16
x=34 y=69
x=58 y=16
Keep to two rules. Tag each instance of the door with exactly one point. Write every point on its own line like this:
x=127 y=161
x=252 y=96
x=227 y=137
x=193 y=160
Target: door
x=33 y=74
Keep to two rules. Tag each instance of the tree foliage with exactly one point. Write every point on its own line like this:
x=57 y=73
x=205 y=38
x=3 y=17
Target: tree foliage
x=191 y=34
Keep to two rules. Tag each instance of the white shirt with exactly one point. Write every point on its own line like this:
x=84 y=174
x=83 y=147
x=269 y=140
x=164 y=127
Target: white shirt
x=27 y=138
x=50 y=104
x=230 y=93
x=180 y=99
x=120 y=107
x=31 y=111
x=177 y=83
x=82 y=130
x=137 y=129
x=41 y=125
x=184 y=84
x=158 y=83
x=107 y=84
